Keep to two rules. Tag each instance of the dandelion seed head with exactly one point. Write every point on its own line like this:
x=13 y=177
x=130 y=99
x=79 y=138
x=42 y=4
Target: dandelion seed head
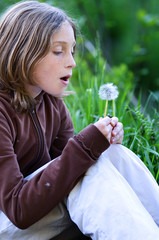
x=108 y=91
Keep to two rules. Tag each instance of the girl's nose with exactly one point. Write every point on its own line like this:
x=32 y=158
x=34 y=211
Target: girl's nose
x=71 y=61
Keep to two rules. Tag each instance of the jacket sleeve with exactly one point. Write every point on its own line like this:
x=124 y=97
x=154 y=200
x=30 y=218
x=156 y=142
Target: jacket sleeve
x=25 y=202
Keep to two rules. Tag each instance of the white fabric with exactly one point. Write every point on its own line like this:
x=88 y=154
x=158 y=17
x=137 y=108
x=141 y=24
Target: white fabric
x=49 y=226
x=118 y=199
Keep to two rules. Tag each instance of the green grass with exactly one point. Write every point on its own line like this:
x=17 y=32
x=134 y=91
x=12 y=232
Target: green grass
x=141 y=131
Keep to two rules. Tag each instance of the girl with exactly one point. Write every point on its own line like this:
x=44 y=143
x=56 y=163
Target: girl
x=37 y=44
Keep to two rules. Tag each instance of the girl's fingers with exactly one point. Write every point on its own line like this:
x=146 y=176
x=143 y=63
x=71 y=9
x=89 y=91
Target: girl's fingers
x=105 y=127
x=117 y=133
x=114 y=121
x=111 y=129
x=118 y=138
x=106 y=121
x=117 y=129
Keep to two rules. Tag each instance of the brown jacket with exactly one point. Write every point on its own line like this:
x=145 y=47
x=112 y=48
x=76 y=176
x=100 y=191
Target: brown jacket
x=28 y=141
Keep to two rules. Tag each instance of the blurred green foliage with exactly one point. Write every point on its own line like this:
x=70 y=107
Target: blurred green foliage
x=4 y=4
x=141 y=131
x=128 y=32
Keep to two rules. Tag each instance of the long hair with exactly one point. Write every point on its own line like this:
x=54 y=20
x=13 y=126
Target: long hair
x=26 y=30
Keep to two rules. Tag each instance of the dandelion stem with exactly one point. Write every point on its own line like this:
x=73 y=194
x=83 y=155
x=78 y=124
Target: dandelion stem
x=106 y=106
x=113 y=108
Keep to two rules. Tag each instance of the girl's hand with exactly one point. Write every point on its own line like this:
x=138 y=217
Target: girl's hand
x=105 y=126
x=117 y=133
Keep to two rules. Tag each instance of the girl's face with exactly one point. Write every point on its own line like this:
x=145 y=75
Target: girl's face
x=53 y=72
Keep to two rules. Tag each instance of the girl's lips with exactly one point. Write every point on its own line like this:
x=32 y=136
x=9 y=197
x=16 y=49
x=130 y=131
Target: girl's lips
x=65 y=80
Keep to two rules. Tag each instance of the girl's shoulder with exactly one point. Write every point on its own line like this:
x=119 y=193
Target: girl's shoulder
x=56 y=102
x=52 y=105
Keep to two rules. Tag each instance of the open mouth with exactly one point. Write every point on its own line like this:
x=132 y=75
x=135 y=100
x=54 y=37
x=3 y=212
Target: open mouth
x=65 y=79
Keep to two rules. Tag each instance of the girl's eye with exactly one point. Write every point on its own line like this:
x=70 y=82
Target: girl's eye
x=60 y=52
x=57 y=52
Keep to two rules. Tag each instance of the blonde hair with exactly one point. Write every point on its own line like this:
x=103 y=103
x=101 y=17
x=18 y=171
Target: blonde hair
x=25 y=38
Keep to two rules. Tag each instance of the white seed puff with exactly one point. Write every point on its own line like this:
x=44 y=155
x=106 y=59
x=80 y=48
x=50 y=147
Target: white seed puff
x=108 y=91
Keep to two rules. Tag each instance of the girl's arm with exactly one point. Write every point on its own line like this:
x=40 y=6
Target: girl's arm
x=25 y=202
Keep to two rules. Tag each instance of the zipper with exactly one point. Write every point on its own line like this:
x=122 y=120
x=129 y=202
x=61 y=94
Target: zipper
x=36 y=122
